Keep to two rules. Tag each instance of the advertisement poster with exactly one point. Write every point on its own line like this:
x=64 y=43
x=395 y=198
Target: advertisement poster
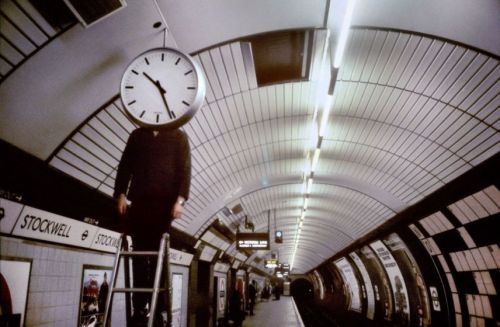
x=370 y=311
x=176 y=300
x=94 y=291
x=14 y=282
x=222 y=295
x=319 y=284
x=401 y=304
x=414 y=280
x=351 y=283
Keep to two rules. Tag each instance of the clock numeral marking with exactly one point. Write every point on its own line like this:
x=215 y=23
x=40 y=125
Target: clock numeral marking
x=187 y=104
x=157 y=117
x=142 y=113
x=188 y=72
x=191 y=88
x=132 y=102
x=177 y=61
x=133 y=71
x=162 y=56
x=147 y=61
x=173 y=114
x=129 y=87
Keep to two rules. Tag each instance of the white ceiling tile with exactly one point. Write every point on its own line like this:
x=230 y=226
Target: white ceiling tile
x=448 y=86
x=487 y=140
x=211 y=75
x=75 y=172
x=221 y=71
x=225 y=119
x=240 y=66
x=209 y=95
x=441 y=84
x=416 y=50
x=485 y=78
x=377 y=43
x=229 y=64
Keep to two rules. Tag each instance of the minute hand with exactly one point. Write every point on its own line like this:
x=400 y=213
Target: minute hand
x=162 y=92
x=163 y=97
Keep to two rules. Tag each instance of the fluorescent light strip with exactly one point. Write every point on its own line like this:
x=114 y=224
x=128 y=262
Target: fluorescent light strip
x=315 y=159
x=309 y=185
x=326 y=113
x=344 y=32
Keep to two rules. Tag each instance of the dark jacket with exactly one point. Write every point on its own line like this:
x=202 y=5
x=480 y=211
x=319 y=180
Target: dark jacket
x=157 y=167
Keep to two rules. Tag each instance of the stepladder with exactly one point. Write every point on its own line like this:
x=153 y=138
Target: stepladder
x=161 y=286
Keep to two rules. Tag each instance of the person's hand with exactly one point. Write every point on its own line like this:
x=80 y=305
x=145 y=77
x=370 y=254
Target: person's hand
x=178 y=208
x=122 y=205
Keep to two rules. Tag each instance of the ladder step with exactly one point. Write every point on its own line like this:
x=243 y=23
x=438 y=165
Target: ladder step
x=137 y=290
x=139 y=253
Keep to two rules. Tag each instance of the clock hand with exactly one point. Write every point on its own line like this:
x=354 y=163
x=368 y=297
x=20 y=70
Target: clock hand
x=149 y=77
x=170 y=113
x=162 y=92
x=164 y=98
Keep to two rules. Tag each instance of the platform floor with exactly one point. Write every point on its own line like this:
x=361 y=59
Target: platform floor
x=274 y=314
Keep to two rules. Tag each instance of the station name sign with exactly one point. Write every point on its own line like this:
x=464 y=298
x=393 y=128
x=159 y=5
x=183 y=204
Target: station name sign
x=28 y=222
x=252 y=241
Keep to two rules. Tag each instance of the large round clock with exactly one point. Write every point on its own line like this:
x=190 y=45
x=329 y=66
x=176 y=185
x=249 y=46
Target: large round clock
x=162 y=87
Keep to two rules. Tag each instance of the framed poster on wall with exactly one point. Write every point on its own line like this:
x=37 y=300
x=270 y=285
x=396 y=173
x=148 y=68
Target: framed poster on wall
x=14 y=284
x=93 y=293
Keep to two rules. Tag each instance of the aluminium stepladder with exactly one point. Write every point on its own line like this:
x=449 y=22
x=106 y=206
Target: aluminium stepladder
x=162 y=267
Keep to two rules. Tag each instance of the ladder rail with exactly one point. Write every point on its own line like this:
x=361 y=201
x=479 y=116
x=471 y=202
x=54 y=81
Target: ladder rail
x=164 y=247
x=162 y=269
x=109 y=298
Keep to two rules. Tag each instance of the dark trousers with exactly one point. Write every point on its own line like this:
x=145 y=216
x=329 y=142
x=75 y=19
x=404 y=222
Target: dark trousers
x=251 y=304
x=146 y=223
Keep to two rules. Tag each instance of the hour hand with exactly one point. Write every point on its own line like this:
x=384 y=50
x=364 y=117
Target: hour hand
x=149 y=78
x=156 y=83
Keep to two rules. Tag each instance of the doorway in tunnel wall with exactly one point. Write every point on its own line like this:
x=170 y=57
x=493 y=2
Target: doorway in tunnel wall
x=302 y=290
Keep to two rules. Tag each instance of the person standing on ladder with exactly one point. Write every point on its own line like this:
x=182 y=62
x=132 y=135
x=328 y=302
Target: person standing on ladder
x=154 y=173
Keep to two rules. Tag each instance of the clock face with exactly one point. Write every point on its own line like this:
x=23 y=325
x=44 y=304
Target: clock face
x=162 y=87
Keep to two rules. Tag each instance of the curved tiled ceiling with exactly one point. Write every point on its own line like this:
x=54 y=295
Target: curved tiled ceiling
x=410 y=113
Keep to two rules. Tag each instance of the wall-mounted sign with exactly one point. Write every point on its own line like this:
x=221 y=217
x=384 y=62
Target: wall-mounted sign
x=11 y=211
x=351 y=283
x=368 y=290
x=402 y=306
x=47 y=226
x=208 y=253
x=180 y=258
x=258 y=241
x=25 y=221
x=221 y=267
x=435 y=298
x=105 y=240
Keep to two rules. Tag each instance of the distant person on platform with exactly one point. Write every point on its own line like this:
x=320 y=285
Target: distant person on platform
x=252 y=294
x=277 y=291
x=235 y=313
x=103 y=294
x=154 y=174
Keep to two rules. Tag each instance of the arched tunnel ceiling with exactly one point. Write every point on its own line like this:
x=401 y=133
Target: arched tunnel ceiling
x=411 y=113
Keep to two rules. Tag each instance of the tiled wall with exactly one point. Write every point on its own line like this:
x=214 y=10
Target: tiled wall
x=55 y=281
x=463 y=239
